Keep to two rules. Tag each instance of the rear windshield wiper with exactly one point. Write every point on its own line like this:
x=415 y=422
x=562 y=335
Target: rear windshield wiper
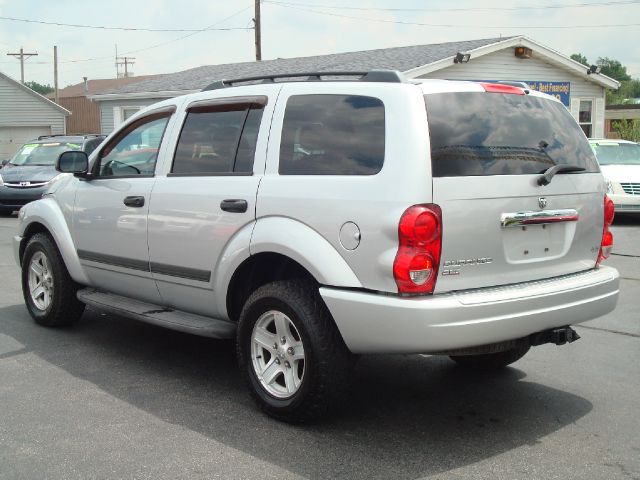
x=549 y=173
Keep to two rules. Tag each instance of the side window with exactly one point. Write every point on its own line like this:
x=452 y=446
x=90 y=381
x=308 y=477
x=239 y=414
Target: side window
x=218 y=140
x=332 y=135
x=135 y=151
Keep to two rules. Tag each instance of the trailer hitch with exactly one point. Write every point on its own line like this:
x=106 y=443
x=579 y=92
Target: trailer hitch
x=558 y=336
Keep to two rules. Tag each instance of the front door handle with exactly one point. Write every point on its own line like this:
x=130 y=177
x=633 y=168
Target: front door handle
x=134 y=201
x=234 y=205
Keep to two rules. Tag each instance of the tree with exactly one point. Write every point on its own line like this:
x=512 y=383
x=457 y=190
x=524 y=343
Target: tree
x=614 y=69
x=627 y=129
x=578 y=57
x=39 y=87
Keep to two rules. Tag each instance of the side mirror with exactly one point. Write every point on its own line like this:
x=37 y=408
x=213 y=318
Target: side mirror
x=4 y=162
x=73 y=161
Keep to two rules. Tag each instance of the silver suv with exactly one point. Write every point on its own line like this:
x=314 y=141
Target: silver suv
x=316 y=220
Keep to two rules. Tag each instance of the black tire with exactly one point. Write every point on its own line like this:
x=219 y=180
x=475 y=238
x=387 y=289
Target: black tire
x=327 y=364
x=64 y=308
x=491 y=361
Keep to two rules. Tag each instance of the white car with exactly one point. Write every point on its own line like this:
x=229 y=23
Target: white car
x=620 y=164
x=313 y=220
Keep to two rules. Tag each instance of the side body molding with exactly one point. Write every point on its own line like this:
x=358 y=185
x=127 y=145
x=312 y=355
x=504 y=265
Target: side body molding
x=307 y=247
x=47 y=212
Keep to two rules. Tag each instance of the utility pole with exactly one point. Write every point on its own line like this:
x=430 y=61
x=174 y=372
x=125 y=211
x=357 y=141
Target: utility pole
x=22 y=56
x=55 y=74
x=256 y=27
x=126 y=62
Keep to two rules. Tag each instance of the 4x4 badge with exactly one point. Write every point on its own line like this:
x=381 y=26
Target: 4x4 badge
x=542 y=201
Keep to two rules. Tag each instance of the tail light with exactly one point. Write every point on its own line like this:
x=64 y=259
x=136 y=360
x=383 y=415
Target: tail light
x=607 y=237
x=501 y=88
x=415 y=267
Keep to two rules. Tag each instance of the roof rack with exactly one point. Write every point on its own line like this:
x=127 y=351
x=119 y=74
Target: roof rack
x=42 y=137
x=388 y=76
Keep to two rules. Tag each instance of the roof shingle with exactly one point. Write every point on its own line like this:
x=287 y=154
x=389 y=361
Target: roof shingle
x=397 y=58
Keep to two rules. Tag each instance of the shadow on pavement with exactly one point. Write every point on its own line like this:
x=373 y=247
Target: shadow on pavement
x=407 y=416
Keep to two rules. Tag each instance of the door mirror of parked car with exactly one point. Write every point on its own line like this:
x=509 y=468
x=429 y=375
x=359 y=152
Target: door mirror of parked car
x=4 y=162
x=73 y=161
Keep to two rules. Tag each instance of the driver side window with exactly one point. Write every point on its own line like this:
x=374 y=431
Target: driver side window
x=135 y=150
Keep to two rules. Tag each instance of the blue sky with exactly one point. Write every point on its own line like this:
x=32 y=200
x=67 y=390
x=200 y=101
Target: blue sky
x=292 y=28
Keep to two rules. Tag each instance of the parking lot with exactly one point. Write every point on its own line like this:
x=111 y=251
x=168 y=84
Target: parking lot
x=113 y=398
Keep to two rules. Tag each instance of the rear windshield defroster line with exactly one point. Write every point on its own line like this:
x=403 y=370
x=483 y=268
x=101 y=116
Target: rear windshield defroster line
x=480 y=134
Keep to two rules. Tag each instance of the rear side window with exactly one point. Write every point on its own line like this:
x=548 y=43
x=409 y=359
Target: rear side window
x=332 y=135
x=481 y=133
x=218 y=140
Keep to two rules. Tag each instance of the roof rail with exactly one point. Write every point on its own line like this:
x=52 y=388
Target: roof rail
x=42 y=137
x=388 y=76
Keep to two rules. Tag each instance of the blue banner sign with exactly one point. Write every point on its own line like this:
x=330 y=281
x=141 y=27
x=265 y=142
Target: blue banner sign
x=560 y=90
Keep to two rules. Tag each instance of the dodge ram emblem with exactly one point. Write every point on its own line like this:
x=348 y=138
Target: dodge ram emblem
x=542 y=202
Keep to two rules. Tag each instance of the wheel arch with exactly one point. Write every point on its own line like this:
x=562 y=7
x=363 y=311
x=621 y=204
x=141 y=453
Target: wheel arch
x=45 y=216
x=282 y=248
x=256 y=271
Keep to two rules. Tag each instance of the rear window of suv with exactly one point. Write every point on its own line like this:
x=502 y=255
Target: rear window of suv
x=332 y=135
x=476 y=134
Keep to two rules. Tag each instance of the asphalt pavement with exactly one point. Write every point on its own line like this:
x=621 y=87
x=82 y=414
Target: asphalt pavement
x=114 y=398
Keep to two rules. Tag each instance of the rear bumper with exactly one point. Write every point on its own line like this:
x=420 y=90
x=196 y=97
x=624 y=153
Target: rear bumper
x=374 y=323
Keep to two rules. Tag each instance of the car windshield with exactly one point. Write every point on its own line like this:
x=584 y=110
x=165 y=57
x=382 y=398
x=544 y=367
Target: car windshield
x=32 y=154
x=617 y=153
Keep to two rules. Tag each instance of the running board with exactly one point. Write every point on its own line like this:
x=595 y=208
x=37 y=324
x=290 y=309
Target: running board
x=158 y=315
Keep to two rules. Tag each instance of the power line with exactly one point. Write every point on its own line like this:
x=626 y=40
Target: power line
x=469 y=9
x=448 y=25
x=126 y=29
x=150 y=47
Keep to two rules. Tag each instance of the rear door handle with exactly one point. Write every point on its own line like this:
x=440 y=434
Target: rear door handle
x=134 y=201
x=543 y=217
x=234 y=205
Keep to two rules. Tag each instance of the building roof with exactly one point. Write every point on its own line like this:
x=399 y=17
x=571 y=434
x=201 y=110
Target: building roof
x=27 y=90
x=397 y=58
x=98 y=86
x=414 y=61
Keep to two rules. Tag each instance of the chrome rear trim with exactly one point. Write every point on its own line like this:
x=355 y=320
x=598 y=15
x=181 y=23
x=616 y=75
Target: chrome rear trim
x=519 y=219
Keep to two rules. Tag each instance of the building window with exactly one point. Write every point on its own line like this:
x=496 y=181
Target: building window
x=585 y=117
x=122 y=114
x=128 y=112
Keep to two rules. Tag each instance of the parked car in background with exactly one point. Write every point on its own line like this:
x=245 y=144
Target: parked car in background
x=620 y=164
x=26 y=176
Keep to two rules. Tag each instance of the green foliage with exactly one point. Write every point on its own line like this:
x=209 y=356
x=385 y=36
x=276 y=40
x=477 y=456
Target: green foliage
x=629 y=89
x=39 y=87
x=627 y=129
x=613 y=68
x=578 y=57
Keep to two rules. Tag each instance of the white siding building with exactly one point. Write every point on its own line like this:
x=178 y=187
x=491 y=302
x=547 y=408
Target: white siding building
x=495 y=59
x=25 y=115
